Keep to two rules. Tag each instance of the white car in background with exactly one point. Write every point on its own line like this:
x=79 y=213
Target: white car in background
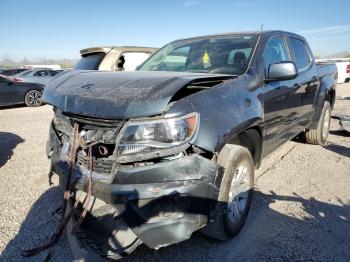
x=41 y=76
x=113 y=58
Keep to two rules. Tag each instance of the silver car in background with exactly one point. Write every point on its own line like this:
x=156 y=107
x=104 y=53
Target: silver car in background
x=41 y=76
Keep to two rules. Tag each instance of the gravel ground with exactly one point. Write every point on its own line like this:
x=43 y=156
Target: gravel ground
x=300 y=211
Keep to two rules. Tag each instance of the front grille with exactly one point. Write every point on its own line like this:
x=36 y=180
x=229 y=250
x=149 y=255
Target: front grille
x=99 y=165
x=101 y=133
x=91 y=121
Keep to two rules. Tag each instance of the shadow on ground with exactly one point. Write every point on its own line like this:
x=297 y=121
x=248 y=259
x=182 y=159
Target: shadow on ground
x=12 y=106
x=339 y=149
x=339 y=132
x=317 y=231
x=343 y=98
x=8 y=142
x=37 y=228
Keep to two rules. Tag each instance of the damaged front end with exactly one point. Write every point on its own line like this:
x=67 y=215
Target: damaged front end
x=150 y=184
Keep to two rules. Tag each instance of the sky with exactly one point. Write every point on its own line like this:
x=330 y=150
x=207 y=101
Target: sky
x=60 y=28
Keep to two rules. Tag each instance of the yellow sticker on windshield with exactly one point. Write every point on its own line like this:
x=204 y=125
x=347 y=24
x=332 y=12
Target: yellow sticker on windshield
x=206 y=60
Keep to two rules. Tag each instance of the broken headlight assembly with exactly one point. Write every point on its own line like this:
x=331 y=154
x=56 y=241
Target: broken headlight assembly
x=147 y=139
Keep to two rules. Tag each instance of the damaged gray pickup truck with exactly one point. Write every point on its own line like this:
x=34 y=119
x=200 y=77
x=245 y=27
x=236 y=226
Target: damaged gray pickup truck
x=172 y=148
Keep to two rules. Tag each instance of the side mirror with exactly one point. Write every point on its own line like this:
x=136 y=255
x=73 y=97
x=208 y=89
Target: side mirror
x=282 y=71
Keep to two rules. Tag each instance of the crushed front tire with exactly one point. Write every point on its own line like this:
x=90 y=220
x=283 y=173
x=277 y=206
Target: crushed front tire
x=227 y=223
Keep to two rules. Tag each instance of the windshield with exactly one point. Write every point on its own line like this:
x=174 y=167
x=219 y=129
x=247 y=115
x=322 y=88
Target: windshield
x=90 y=61
x=229 y=54
x=24 y=73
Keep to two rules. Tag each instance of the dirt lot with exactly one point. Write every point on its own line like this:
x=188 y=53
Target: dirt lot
x=300 y=211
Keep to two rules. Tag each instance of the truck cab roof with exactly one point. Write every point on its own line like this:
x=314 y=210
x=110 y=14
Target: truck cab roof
x=106 y=49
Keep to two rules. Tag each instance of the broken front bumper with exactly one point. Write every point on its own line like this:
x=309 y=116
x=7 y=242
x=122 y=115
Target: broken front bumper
x=158 y=204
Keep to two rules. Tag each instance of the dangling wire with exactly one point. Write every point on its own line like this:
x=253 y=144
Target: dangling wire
x=89 y=193
x=64 y=219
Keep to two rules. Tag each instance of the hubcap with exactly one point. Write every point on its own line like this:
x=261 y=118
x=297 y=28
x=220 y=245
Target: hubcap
x=34 y=98
x=326 y=123
x=239 y=192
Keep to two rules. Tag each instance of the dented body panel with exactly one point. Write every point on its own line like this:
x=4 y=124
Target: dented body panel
x=239 y=107
x=121 y=95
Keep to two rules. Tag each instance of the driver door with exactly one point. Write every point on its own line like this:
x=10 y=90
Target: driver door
x=281 y=101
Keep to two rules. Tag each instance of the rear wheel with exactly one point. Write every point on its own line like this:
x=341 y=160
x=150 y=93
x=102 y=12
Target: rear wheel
x=318 y=136
x=235 y=193
x=33 y=98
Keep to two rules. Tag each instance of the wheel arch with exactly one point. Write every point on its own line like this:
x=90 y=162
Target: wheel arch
x=326 y=94
x=251 y=138
x=330 y=97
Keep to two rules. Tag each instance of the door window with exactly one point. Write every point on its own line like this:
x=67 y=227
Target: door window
x=41 y=73
x=301 y=53
x=275 y=52
x=54 y=72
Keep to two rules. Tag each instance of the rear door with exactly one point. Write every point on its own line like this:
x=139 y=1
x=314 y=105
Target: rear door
x=280 y=99
x=307 y=81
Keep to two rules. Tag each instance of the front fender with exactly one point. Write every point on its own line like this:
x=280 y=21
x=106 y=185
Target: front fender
x=225 y=110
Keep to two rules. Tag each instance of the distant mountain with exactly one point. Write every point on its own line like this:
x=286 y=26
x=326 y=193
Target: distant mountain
x=345 y=54
x=65 y=63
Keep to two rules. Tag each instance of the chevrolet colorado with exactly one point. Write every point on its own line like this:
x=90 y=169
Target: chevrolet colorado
x=172 y=148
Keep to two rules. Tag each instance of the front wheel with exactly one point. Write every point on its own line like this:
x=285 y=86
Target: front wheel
x=33 y=98
x=235 y=193
x=319 y=135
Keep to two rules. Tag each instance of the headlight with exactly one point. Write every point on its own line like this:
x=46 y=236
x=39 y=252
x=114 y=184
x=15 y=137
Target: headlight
x=156 y=138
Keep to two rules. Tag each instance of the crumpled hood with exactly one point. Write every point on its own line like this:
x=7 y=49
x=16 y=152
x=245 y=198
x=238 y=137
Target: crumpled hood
x=117 y=95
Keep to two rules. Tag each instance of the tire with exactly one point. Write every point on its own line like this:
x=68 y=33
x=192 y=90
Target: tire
x=235 y=197
x=319 y=135
x=33 y=98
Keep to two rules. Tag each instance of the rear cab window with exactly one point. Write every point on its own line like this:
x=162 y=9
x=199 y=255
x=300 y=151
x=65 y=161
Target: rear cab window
x=90 y=61
x=302 y=57
x=133 y=59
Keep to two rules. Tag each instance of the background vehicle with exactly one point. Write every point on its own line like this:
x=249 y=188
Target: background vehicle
x=113 y=58
x=12 y=72
x=41 y=76
x=12 y=93
x=174 y=145
x=53 y=67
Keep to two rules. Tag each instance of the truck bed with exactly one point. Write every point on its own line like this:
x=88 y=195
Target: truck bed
x=327 y=69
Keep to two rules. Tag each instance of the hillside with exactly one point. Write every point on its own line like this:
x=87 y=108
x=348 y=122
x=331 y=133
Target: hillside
x=344 y=54
x=65 y=63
